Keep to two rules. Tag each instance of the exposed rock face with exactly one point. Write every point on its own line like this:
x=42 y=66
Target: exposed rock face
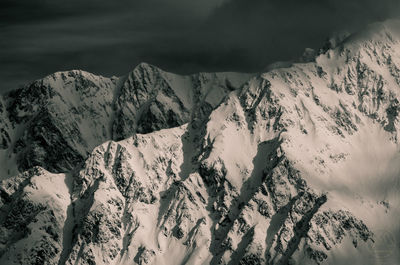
x=291 y=167
x=150 y=99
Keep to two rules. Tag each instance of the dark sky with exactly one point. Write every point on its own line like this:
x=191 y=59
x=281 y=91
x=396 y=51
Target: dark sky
x=38 y=37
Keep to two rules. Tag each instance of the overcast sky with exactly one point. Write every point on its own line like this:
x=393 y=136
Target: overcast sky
x=38 y=37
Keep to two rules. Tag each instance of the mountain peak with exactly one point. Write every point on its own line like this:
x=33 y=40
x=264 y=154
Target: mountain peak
x=144 y=65
x=377 y=33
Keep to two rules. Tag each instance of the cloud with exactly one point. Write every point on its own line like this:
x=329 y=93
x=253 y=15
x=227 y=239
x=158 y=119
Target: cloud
x=280 y=30
x=111 y=37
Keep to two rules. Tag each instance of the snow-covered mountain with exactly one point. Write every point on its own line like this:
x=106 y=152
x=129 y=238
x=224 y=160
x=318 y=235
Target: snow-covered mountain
x=297 y=165
x=57 y=121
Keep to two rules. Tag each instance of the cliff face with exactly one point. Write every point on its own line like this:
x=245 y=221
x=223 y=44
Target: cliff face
x=297 y=165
